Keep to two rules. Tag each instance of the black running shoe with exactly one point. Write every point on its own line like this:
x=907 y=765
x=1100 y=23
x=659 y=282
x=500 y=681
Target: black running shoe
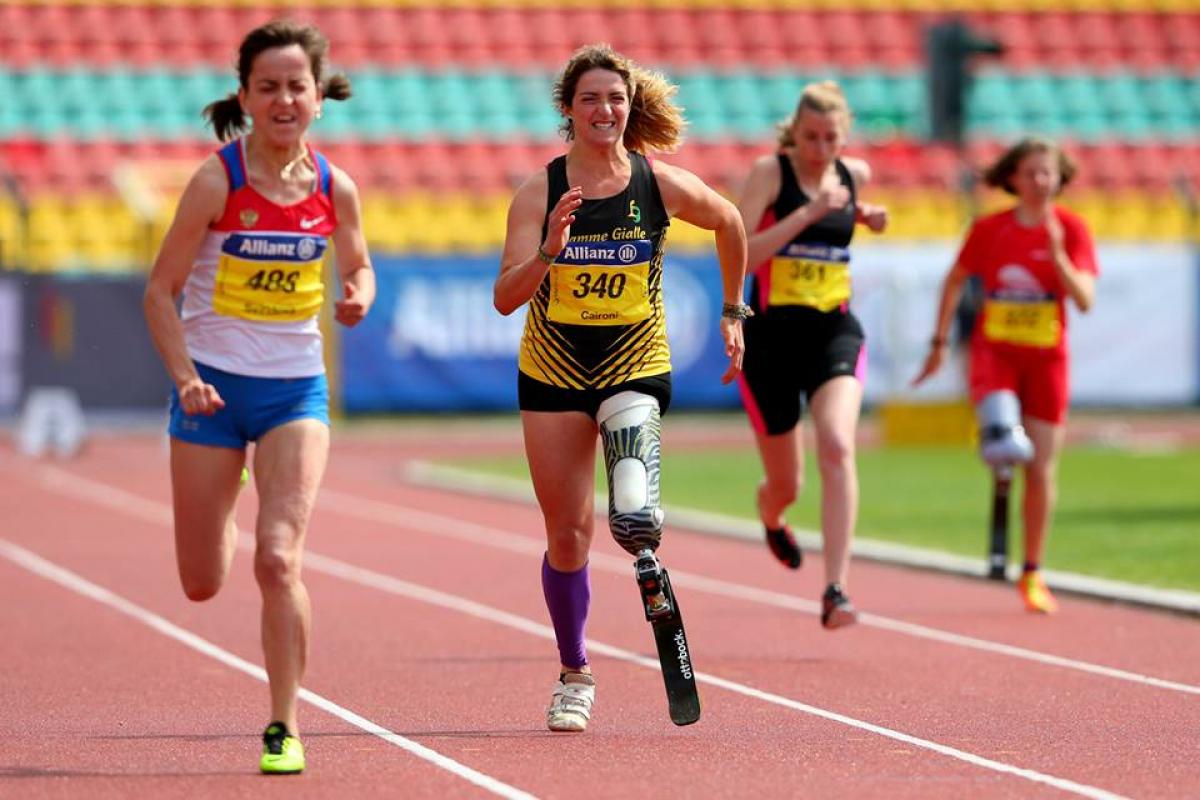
x=836 y=610
x=783 y=546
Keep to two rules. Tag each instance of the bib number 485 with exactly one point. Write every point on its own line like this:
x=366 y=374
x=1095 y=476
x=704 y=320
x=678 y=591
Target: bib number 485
x=273 y=280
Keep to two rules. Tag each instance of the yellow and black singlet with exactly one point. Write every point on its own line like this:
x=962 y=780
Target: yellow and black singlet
x=811 y=273
x=597 y=319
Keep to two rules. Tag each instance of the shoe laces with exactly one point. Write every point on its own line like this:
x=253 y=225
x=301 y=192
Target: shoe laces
x=274 y=736
x=834 y=595
x=573 y=695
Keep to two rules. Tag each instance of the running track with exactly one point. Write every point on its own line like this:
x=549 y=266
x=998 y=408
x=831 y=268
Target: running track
x=432 y=661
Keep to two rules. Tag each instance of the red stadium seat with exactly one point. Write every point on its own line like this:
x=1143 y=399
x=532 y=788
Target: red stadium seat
x=887 y=29
x=16 y=26
x=1108 y=163
x=379 y=26
x=675 y=39
x=1152 y=167
x=804 y=41
x=212 y=27
x=632 y=28
x=50 y=23
x=22 y=55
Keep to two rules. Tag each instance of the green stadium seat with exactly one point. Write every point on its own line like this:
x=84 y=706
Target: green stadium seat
x=742 y=106
x=876 y=112
x=780 y=92
x=911 y=99
x=1120 y=92
x=1164 y=95
x=1090 y=125
x=990 y=97
x=701 y=101
x=1130 y=124
x=1078 y=93
x=1036 y=93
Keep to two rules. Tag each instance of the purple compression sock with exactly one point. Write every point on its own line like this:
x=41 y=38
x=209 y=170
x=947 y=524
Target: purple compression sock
x=568 y=595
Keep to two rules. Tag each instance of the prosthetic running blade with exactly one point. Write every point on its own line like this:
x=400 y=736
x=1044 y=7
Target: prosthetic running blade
x=674 y=654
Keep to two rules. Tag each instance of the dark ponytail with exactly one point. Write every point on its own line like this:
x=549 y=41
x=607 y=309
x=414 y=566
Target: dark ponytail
x=337 y=87
x=226 y=117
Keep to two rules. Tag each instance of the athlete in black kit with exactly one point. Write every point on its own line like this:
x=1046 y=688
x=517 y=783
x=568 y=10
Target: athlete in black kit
x=802 y=204
x=584 y=249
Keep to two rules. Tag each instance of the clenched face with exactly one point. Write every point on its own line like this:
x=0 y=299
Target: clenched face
x=281 y=96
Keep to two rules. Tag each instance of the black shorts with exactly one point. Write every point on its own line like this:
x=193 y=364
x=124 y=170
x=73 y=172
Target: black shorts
x=790 y=356
x=533 y=395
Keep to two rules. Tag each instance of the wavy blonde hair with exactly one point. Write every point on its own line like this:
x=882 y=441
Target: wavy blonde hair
x=824 y=97
x=655 y=121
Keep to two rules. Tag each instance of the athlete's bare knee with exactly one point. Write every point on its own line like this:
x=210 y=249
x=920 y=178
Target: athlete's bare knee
x=782 y=492
x=276 y=568
x=835 y=454
x=567 y=547
x=1039 y=472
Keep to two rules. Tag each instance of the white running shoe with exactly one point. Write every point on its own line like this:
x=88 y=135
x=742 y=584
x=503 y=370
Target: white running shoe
x=571 y=705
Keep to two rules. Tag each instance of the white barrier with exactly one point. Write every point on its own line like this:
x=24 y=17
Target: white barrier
x=52 y=417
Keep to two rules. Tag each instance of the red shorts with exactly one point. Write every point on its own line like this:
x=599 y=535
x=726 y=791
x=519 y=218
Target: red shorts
x=1039 y=378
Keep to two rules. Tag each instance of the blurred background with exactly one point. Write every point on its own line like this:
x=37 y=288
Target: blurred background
x=100 y=125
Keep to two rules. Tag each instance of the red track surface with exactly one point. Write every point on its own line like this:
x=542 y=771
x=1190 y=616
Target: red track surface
x=98 y=703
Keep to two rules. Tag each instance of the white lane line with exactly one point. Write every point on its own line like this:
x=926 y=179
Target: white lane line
x=76 y=583
x=424 y=594
x=496 y=538
x=498 y=487
x=113 y=497
x=440 y=525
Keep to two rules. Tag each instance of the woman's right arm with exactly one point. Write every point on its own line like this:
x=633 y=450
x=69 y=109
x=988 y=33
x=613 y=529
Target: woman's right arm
x=201 y=204
x=951 y=289
x=522 y=266
x=760 y=192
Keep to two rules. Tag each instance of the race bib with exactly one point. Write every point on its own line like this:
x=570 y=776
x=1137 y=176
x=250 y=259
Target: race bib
x=270 y=277
x=601 y=284
x=810 y=275
x=1033 y=323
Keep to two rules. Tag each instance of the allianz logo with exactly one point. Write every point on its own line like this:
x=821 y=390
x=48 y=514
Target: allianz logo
x=626 y=253
x=304 y=248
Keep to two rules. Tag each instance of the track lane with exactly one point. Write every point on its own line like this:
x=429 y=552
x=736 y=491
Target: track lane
x=133 y=558
x=833 y=654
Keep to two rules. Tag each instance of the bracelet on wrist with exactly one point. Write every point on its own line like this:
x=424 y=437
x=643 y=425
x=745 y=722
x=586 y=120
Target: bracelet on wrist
x=938 y=341
x=738 y=311
x=544 y=257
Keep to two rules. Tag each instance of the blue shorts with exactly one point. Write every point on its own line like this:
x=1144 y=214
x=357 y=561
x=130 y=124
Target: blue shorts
x=253 y=406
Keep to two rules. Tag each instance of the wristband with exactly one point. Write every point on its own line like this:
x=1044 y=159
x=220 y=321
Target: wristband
x=738 y=311
x=938 y=341
x=544 y=257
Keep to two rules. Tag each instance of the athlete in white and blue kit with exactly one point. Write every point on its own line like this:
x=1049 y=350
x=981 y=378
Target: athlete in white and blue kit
x=246 y=249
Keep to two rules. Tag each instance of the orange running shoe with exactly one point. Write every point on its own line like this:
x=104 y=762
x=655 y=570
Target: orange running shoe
x=1035 y=594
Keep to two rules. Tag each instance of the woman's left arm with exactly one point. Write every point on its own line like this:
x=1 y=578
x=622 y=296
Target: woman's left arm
x=354 y=262
x=691 y=200
x=1079 y=284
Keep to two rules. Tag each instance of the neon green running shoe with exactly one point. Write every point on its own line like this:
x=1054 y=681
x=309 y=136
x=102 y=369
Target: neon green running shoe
x=245 y=475
x=282 y=753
